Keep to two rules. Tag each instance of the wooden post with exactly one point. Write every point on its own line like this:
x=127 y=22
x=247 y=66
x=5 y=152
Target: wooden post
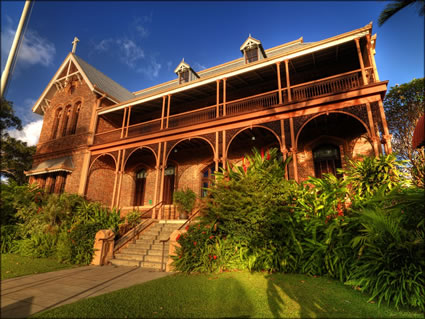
x=163 y=166
x=288 y=83
x=218 y=98
x=224 y=96
x=293 y=149
x=279 y=82
x=114 y=191
x=372 y=129
x=128 y=120
x=224 y=155
x=372 y=54
x=162 y=112
x=168 y=110
x=283 y=149
x=157 y=168
x=217 y=151
x=124 y=117
x=120 y=175
x=387 y=135
x=359 y=53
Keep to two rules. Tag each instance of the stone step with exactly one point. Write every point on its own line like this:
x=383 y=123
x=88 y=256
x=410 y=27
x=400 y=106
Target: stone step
x=152 y=258
x=149 y=246
x=125 y=256
x=153 y=265
x=135 y=251
x=123 y=262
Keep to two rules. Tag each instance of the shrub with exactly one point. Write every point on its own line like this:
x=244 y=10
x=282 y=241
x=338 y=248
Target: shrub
x=184 y=200
x=38 y=245
x=8 y=237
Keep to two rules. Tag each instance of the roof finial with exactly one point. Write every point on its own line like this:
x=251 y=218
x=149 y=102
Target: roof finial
x=74 y=44
x=249 y=35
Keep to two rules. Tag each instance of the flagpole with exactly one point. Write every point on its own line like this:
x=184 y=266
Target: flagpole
x=12 y=53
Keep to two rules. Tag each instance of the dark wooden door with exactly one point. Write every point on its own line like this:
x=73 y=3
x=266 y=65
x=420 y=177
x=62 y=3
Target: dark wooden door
x=139 y=196
x=168 y=189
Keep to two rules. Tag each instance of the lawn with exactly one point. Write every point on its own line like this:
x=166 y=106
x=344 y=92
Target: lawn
x=233 y=294
x=15 y=266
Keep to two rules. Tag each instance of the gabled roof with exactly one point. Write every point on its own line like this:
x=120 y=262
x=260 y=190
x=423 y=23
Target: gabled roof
x=103 y=82
x=96 y=80
x=182 y=66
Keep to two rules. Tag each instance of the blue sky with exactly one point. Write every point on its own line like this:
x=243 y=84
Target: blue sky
x=139 y=44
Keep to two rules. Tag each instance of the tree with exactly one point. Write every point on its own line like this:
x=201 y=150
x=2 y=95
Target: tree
x=397 y=5
x=404 y=105
x=16 y=156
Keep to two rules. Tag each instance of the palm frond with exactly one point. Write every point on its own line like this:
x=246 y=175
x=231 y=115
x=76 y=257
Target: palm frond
x=395 y=6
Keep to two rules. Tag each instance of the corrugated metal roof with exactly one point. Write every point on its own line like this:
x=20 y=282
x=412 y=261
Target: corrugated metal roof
x=103 y=82
x=225 y=68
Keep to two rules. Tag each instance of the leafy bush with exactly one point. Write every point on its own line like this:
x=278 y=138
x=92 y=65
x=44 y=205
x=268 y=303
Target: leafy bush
x=184 y=200
x=38 y=245
x=7 y=238
x=390 y=264
x=133 y=219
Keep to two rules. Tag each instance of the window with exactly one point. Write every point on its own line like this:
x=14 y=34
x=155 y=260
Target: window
x=77 y=108
x=327 y=159
x=184 y=76
x=251 y=55
x=66 y=115
x=139 y=195
x=207 y=179
x=56 y=121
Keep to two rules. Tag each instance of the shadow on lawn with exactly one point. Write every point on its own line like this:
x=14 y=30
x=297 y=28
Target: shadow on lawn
x=307 y=296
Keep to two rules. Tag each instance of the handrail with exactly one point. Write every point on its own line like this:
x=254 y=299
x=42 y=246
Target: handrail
x=165 y=240
x=253 y=96
x=132 y=233
x=193 y=111
x=325 y=79
x=115 y=129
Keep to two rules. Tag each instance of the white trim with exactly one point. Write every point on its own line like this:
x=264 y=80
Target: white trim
x=240 y=71
x=49 y=171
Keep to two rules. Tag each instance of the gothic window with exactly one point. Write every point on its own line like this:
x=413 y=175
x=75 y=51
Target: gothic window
x=169 y=185
x=327 y=159
x=251 y=55
x=139 y=195
x=56 y=121
x=66 y=117
x=77 y=108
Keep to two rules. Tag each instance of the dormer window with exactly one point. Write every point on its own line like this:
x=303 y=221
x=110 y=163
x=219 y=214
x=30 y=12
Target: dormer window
x=185 y=73
x=251 y=55
x=184 y=76
x=252 y=50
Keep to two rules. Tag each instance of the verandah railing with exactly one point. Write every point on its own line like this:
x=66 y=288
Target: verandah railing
x=299 y=92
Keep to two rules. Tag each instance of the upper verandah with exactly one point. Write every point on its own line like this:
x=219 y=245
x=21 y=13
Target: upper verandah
x=279 y=53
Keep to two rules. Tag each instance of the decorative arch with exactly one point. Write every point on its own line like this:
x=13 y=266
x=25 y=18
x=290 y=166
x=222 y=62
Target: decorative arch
x=56 y=120
x=99 y=156
x=250 y=127
x=140 y=148
x=190 y=138
x=325 y=113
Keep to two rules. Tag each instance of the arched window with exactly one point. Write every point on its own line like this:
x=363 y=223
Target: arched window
x=56 y=122
x=207 y=178
x=169 y=174
x=66 y=115
x=76 y=112
x=327 y=159
x=139 y=192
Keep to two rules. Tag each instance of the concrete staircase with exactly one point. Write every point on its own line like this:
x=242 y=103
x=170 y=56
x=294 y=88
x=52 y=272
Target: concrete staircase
x=147 y=251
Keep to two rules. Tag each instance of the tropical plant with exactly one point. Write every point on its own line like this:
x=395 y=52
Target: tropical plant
x=185 y=201
x=397 y=5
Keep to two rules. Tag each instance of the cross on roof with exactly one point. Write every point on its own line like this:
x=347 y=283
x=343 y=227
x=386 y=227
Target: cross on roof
x=74 y=44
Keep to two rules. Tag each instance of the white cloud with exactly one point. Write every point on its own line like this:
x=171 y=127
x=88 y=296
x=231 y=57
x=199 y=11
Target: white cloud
x=103 y=45
x=152 y=69
x=30 y=133
x=34 y=49
x=198 y=67
x=131 y=52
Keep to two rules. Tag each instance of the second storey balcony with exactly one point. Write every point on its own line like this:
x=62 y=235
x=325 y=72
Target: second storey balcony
x=329 y=73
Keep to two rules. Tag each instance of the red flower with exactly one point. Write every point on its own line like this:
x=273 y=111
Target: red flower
x=187 y=227
x=209 y=256
x=180 y=257
x=203 y=232
x=194 y=243
x=178 y=237
x=244 y=168
x=211 y=237
x=215 y=257
x=268 y=155
x=262 y=153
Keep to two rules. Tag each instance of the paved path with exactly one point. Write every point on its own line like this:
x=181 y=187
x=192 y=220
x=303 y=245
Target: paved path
x=23 y=296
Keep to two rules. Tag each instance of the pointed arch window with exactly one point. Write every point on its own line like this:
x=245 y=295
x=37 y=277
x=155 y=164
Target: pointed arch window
x=74 y=123
x=207 y=178
x=56 y=122
x=66 y=116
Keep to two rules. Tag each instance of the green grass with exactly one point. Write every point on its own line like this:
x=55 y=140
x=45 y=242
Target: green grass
x=15 y=266
x=235 y=294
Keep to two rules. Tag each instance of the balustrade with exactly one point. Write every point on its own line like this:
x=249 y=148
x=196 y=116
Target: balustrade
x=333 y=84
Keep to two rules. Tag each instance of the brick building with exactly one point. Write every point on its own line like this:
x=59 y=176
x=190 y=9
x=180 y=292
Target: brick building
x=318 y=101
